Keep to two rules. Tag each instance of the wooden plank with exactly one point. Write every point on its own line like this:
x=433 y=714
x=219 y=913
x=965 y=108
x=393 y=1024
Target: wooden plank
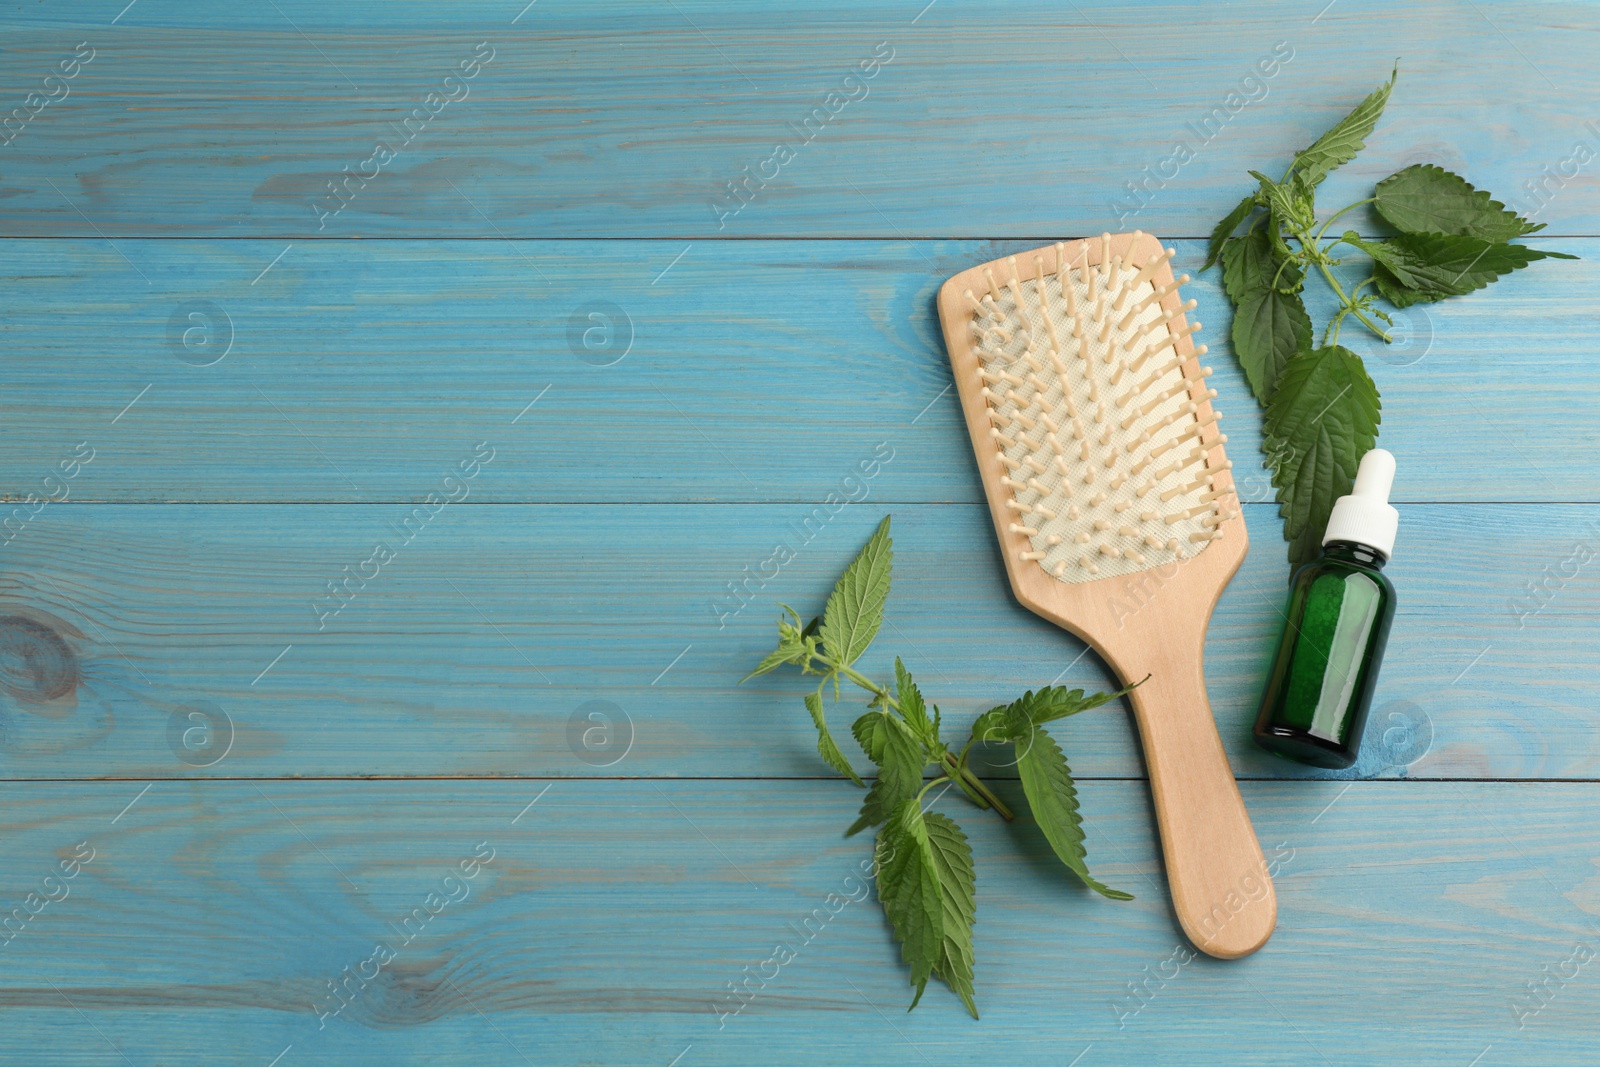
x=199 y=120
x=612 y=916
x=364 y=371
x=475 y=649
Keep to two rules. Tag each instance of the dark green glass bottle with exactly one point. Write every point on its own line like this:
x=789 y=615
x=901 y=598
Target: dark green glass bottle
x=1340 y=608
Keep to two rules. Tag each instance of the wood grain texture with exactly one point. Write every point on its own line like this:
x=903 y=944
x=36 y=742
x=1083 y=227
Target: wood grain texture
x=363 y=371
x=613 y=916
x=202 y=119
x=166 y=210
x=472 y=651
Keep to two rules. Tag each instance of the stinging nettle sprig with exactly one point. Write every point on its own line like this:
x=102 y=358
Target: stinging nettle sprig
x=926 y=881
x=1322 y=408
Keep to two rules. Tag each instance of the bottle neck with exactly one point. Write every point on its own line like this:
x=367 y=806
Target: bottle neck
x=1355 y=552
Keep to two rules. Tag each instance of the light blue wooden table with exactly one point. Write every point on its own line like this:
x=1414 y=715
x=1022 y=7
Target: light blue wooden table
x=253 y=789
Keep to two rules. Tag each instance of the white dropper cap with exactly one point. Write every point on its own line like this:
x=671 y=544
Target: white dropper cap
x=1366 y=516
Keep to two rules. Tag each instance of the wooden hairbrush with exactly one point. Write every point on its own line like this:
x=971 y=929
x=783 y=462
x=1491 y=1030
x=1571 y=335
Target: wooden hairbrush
x=1117 y=518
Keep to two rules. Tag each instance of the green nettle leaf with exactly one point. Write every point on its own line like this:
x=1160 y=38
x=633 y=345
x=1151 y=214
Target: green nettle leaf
x=791 y=645
x=1321 y=420
x=1308 y=545
x=908 y=888
x=952 y=859
x=1226 y=227
x=1251 y=262
x=855 y=607
x=1047 y=781
x=1303 y=194
x=784 y=653
x=826 y=748
x=927 y=887
x=1427 y=199
x=1269 y=328
x=1270 y=324
x=871 y=732
x=915 y=711
x=900 y=762
x=1055 y=703
x=1432 y=266
x=1393 y=290
x=994 y=726
x=1007 y=723
x=1340 y=144
x=1291 y=202
x=1015 y=721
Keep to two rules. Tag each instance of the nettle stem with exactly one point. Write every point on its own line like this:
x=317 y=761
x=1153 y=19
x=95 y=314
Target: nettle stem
x=970 y=783
x=1312 y=247
x=1341 y=211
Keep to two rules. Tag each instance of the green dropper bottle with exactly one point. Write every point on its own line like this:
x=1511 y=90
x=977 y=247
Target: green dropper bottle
x=1340 y=607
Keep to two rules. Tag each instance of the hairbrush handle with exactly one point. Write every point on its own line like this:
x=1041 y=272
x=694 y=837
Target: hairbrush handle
x=1216 y=873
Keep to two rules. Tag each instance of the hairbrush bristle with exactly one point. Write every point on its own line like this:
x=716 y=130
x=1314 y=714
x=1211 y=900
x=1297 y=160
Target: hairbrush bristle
x=1095 y=413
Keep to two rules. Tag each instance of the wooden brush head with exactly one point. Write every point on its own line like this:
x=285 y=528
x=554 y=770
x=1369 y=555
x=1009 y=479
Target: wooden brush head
x=1094 y=432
